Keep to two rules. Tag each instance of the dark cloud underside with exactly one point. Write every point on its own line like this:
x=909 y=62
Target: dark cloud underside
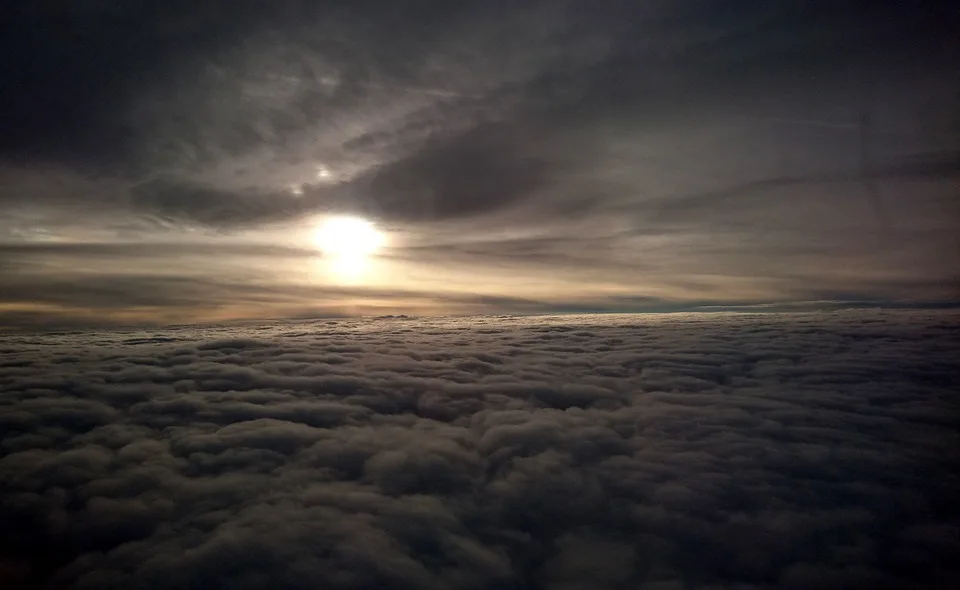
x=141 y=88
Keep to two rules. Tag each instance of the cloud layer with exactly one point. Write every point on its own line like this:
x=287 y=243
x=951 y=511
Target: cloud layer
x=812 y=450
x=682 y=151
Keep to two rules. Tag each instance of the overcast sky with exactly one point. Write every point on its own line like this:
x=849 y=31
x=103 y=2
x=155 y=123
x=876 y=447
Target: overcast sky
x=170 y=161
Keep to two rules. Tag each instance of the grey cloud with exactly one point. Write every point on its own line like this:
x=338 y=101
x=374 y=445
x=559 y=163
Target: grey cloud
x=605 y=131
x=476 y=172
x=86 y=300
x=110 y=250
x=621 y=451
x=184 y=291
x=736 y=200
x=243 y=96
x=479 y=172
x=194 y=203
x=85 y=65
x=136 y=89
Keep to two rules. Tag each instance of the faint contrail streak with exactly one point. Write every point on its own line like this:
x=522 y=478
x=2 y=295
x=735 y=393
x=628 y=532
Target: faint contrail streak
x=863 y=127
x=326 y=81
x=807 y=122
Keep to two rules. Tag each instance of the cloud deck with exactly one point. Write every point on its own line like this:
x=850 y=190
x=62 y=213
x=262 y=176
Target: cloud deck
x=684 y=451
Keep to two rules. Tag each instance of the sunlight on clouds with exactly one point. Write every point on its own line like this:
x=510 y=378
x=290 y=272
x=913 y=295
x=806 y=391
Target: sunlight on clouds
x=348 y=269
x=348 y=245
x=343 y=236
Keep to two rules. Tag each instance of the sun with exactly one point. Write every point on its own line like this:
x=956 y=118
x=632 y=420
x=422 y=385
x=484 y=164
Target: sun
x=349 y=237
x=348 y=243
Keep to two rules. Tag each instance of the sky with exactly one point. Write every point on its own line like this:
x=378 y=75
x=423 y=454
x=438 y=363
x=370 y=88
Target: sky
x=169 y=162
x=654 y=451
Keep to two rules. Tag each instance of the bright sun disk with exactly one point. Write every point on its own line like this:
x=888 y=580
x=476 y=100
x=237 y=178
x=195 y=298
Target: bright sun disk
x=348 y=241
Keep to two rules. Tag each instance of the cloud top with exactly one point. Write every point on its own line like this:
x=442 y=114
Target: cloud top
x=809 y=450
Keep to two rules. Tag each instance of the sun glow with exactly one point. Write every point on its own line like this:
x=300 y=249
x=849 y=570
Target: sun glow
x=348 y=243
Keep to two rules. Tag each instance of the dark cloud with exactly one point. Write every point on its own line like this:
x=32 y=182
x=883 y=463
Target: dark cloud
x=695 y=451
x=247 y=95
x=192 y=203
x=475 y=173
x=656 y=151
x=737 y=200
x=77 y=66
